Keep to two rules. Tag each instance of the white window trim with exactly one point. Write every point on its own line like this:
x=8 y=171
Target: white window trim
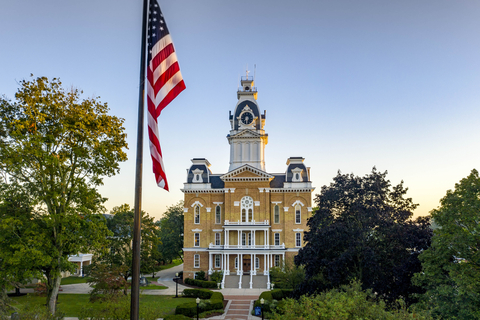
x=219 y=239
x=277 y=230
x=197 y=203
x=275 y=240
x=194 y=242
x=257 y=266
x=220 y=219
x=300 y=219
x=236 y=263
x=219 y=261
x=195 y=260
x=276 y=206
x=296 y=240
x=298 y=202
x=208 y=209
x=196 y=230
x=195 y=215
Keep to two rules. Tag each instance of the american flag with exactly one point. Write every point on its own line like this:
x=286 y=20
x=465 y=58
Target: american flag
x=165 y=82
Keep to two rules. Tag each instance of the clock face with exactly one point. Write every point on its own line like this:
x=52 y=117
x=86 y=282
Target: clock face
x=247 y=118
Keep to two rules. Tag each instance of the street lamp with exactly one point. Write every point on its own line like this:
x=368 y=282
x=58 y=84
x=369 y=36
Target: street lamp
x=262 y=301
x=198 y=301
x=176 y=284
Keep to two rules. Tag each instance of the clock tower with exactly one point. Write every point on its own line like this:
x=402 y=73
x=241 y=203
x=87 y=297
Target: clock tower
x=247 y=137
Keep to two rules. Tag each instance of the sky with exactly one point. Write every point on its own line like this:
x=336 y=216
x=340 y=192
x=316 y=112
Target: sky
x=348 y=85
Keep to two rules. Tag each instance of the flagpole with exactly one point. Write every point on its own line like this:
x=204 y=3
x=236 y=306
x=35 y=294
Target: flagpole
x=135 y=292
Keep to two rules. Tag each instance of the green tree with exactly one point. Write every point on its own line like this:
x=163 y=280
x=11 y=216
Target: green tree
x=120 y=243
x=288 y=276
x=58 y=148
x=451 y=266
x=171 y=233
x=363 y=230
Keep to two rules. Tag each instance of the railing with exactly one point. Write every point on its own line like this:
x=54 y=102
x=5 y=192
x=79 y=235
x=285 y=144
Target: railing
x=229 y=246
x=250 y=223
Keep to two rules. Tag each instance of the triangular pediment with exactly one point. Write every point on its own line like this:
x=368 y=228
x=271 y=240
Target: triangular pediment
x=247 y=134
x=247 y=173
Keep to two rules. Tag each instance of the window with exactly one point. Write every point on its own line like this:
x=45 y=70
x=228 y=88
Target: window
x=218 y=239
x=277 y=260
x=217 y=261
x=243 y=239
x=197 y=215
x=276 y=238
x=236 y=263
x=196 y=261
x=298 y=239
x=247 y=209
x=298 y=214
x=196 y=240
x=257 y=263
x=276 y=216
x=218 y=214
x=250 y=239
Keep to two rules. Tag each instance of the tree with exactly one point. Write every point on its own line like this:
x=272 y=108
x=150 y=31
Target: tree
x=120 y=243
x=451 y=266
x=58 y=148
x=171 y=233
x=363 y=230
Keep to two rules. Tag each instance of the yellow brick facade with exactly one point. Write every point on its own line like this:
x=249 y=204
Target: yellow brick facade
x=245 y=221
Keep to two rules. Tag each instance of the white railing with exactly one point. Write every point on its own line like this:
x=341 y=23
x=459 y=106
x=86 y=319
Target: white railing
x=250 y=223
x=230 y=246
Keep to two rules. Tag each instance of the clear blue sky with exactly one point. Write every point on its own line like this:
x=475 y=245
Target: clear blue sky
x=346 y=84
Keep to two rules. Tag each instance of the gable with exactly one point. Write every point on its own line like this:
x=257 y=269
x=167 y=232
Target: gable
x=247 y=173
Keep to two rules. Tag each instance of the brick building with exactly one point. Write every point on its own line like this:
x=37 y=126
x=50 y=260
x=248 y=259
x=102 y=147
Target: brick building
x=247 y=220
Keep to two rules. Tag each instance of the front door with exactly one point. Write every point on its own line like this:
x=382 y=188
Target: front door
x=246 y=266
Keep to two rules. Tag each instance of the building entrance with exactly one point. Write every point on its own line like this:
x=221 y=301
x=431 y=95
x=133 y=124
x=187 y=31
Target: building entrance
x=246 y=266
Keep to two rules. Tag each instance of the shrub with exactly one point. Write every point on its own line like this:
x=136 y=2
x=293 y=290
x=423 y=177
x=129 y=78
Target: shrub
x=107 y=282
x=197 y=293
x=201 y=283
x=216 y=276
x=200 y=275
x=289 y=276
x=279 y=294
x=211 y=301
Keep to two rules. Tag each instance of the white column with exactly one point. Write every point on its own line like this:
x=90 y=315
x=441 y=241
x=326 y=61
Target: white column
x=227 y=270
x=209 y=263
x=239 y=240
x=283 y=258
x=253 y=240
x=81 y=268
x=265 y=264
x=238 y=262
x=254 y=264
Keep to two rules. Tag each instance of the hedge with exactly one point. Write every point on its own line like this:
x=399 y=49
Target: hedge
x=211 y=301
x=201 y=283
x=272 y=299
x=176 y=317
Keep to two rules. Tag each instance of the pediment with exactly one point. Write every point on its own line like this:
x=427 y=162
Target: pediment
x=247 y=134
x=247 y=173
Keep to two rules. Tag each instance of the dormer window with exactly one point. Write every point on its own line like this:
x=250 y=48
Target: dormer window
x=197 y=176
x=297 y=175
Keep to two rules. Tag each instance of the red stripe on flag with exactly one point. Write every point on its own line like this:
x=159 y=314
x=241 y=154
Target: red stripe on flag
x=167 y=75
x=170 y=96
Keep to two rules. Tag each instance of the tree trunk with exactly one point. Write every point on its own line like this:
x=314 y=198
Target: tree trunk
x=53 y=287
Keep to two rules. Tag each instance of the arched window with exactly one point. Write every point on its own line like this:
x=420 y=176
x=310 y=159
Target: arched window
x=197 y=215
x=218 y=214
x=247 y=209
x=276 y=215
x=298 y=214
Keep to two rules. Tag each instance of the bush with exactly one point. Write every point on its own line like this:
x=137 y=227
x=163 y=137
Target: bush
x=200 y=275
x=38 y=313
x=280 y=294
x=201 y=283
x=197 y=293
x=107 y=282
x=216 y=276
x=211 y=301
x=289 y=276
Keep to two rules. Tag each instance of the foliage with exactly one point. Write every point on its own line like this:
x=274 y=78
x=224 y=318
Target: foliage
x=107 y=282
x=176 y=317
x=214 y=302
x=120 y=254
x=201 y=283
x=33 y=313
x=289 y=276
x=200 y=275
x=346 y=302
x=216 y=276
x=451 y=266
x=363 y=230
x=58 y=148
x=171 y=234
x=20 y=254
x=271 y=299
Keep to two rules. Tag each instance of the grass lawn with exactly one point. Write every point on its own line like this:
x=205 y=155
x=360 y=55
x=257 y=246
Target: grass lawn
x=71 y=304
x=73 y=280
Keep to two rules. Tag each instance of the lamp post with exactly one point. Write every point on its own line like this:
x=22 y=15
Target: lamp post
x=262 y=301
x=198 y=301
x=176 y=284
